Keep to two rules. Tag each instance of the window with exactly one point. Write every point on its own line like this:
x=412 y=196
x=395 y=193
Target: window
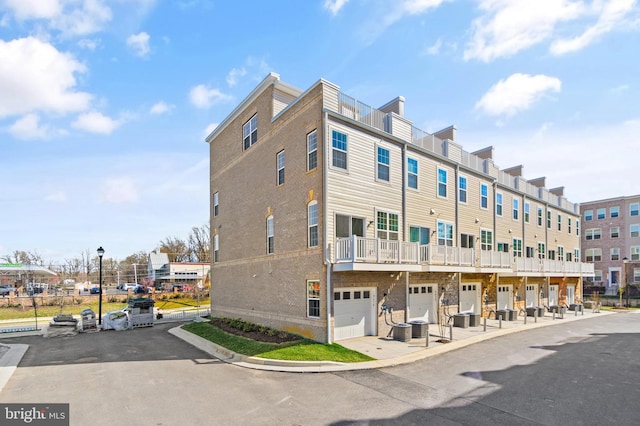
x=412 y=173
x=551 y=255
x=568 y=256
x=614 y=253
x=313 y=299
x=498 y=204
x=633 y=209
x=530 y=251
x=561 y=253
x=577 y=227
x=347 y=226
x=312 y=150
x=635 y=230
x=270 y=235
x=312 y=215
x=418 y=234
x=548 y=219
x=486 y=239
x=383 y=164
x=442 y=183
x=597 y=275
x=527 y=207
x=588 y=215
x=517 y=247
x=559 y=222
x=636 y=275
x=516 y=209
x=576 y=255
x=615 y=231
x=339 y=150
x=280 y=167
x=568 y=225
x=593 y=255
x=503 y=247
x=484 y=196
x=467 y=240
x=250 y=132
x=215 y=204
x=539 y=216
x=216 y=247
x=541 y=250
x=592 y=234
x=614 y=211
x=462 y=189
x=601 y=213
x=387 y=226
x=445 y=234
x=635 y=253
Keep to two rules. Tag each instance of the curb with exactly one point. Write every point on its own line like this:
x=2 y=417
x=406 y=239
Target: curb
x=258 y=363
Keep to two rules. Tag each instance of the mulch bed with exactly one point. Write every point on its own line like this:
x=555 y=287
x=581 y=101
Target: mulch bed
x=278 y=337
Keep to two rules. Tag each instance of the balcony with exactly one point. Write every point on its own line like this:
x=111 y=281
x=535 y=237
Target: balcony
x=373 y=254
x=401 y=255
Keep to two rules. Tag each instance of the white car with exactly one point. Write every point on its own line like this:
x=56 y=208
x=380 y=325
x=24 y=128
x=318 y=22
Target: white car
x=129 y=286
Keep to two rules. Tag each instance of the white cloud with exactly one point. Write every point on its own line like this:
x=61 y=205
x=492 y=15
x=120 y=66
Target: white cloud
x=56 y=197
x=202 y=96
x=34 y=9
x=516 y=93
x=120 y=191
x=34 y=76
x=234 y=75
x=210 y=128
x=95 y=122
x=139 y=43
x=618 y=90
x=610 y=15
x=334 y=6
x=28 y=127
x=89 y=44
x=414 y=7
x=509 y=26
x=160 y=108
x=82 y=18
x=434 y=49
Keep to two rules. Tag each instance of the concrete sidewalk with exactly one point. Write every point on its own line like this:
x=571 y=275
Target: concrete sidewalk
x=386 y=351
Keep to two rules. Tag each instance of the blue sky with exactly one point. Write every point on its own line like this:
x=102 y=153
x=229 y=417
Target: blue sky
x=104 y=105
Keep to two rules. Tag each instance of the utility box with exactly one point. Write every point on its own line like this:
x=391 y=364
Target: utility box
x=402 y=332
x=141 y=312
x=502 y=313
x=474 y=319
x=461 y=320
x=418 y=328
x=88 y=318
x=513 y=314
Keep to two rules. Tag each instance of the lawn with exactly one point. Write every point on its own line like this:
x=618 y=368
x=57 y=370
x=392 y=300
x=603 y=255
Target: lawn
x=74 y=305
x=298 y=350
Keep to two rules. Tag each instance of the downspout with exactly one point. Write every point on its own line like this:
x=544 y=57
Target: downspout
x=327 y=257
x=407 y=314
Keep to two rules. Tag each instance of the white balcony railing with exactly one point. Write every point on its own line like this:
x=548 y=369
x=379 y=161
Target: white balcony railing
x=373 y=250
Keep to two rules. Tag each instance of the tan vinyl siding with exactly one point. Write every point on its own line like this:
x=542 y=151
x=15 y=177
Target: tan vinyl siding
x=280 y=101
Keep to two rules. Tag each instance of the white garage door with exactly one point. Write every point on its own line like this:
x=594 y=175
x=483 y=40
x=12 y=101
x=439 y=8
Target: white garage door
x=505 y=297
x=532 y=295
x=553 y=295
x=354 y=312
x=470 y=298
x=422 y=302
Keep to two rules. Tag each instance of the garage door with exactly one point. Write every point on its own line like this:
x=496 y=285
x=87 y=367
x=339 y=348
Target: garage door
x=354 y=312
x=422 y=302
x=470 y=297
x=532 y=295
x=553 y=295
x=505 y=297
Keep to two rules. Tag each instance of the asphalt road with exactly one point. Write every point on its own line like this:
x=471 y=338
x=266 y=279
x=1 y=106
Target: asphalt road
x=583 y=372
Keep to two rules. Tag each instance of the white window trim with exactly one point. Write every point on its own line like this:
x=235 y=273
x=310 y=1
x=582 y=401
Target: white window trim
x=313 y=298
x=446 y=224
x=216 y=203
x=486 y=197
x=515 y=209
x=378 y=164
x=311 y=225
x=416 y=174
x=270 y=235
x=388 y=212
x=446 y=183
x=465 y=190
x=280 y=167
x=500 y=203
x=251 y=130
x=526 y=212
x=315 y=150
x=332 y=148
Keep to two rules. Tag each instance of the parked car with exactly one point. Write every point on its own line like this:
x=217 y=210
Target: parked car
x=128 y=286
x=6 y=290
x=95 y=290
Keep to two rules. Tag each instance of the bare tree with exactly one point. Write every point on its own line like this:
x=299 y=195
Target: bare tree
x=176 y=249
x=199 y=242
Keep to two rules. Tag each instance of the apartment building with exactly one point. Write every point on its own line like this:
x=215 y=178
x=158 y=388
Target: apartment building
x=333 y=219
x=611 y=235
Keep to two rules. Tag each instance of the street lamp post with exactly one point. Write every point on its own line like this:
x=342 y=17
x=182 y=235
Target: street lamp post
x=100 y=253
x=624 y=278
